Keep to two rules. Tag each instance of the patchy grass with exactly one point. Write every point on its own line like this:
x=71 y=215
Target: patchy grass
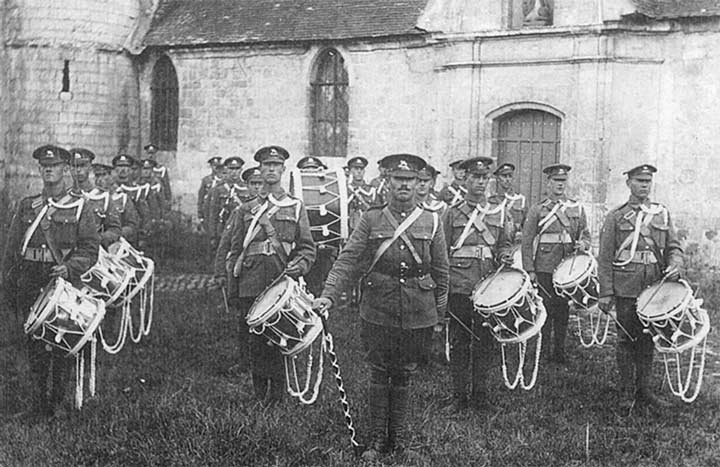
x=180 y=398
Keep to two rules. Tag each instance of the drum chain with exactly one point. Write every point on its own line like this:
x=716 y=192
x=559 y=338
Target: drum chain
x=341 y=389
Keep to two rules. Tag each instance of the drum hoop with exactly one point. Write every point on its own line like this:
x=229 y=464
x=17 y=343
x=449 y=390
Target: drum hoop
x=59 y=287
x=122 y=287
x=696 y=339
x=142 y=282
x=587 y=273
x=675 y=310
x=275 y=307
x=523 y=291
x=315 y=330
x=92 y=326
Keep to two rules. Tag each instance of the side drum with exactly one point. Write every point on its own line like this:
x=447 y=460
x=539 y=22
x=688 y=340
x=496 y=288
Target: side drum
x=576 y=278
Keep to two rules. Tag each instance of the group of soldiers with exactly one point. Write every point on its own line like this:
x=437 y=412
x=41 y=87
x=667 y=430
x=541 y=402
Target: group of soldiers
x=417 y=256
x=58 y=233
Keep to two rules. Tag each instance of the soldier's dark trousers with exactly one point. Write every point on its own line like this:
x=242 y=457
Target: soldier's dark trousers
x=266 y=362
x=49 y=370
x=469 y=357
x=558 y=313
x=634 y=359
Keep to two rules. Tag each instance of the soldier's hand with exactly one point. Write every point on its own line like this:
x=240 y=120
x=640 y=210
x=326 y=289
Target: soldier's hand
x=213 y=244
x=506 y=259
x=606 y=304
x=672 y=273
x=293 y=270
x=60 y=271
x=221 y=281
x=533 y=276
x=322 y=305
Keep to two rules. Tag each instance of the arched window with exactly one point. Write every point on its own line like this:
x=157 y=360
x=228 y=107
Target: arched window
x=164 y=107
x=529 y=139
x=329 y=106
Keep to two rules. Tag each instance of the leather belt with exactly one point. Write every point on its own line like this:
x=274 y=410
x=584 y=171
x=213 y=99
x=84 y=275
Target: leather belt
x=473 y=251
x=555 y=237
x=640 y=257
x=401 y=272
x=41 y=255
x=265 y=248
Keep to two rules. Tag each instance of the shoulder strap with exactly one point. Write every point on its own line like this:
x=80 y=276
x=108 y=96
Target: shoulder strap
x=39 y=213
x=411 y=247
x=399 y=230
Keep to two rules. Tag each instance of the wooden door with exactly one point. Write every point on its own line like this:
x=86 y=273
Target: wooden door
x=529 y=139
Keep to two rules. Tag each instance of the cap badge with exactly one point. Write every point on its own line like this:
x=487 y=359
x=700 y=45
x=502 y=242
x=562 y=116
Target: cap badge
x=49 y=153
x=273 y=152
x=403 y=165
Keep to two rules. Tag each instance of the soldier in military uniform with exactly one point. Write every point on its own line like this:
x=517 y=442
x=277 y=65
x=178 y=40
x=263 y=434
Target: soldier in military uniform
x=425 y=193
x=52 y=235
x=272 y=237
x=98 y=200
x=555 y=228
x=381 y=186
x=225 y=198
x=478 y=234
x=207 y=183
x=455 y=192
x=161 y=173
x=505 y=193
x=638 y=247
x=361 y=194
x=124 y=167
x=128 y=215
x=399 y=250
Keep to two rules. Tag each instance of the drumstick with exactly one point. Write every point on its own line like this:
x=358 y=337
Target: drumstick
x=464 y=326
x=227 y=308
x=622 y=328
x=492 y=278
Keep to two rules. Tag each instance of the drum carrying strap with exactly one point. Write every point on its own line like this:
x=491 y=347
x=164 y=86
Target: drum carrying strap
x=399 y=233
x=458 y=194
x=642 y=220
x=557 y=213
x=479 y=224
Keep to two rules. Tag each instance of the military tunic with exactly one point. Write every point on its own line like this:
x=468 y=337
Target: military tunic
x=67 y=233
x=107 y=215
x=223 y=200
x=516 y=204
x=360 y=198
x=161 y=172
x=129 y=217
x=381 y=190
x=453 y=193
x=136 y=194
x=474 y=253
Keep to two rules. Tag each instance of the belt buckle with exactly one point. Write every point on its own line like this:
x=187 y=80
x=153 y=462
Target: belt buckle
x=266 y=248
x=478 y=251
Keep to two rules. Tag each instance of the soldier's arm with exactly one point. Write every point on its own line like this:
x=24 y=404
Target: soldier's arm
x=583 y=230
x=213 y=211
x=447 y=222
x=528 y=237
x=131 y=220
x=201 y=200
x=440 y=271
x=224 y=245
x=347 y=265
x=606 y=255
x=303 y=255
x=673 y=247
x=113 y=227
x=237 y=236
x=167 y=192
x=143 y=211
x=85 y=254
x=506 y=234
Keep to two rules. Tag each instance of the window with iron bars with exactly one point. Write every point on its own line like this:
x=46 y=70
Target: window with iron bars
x=329 y=106
x=164 y=108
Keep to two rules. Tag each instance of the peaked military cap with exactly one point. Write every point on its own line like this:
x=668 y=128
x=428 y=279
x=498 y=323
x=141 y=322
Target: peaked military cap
x=150 y=148
x=50 y=154
x=428 y=172
x=80 y=155
x=234 y=162
x=123 y=160
x=252 y=172
x=504 y=169
x=477 y=165
x=216 y=160
x=557 y=170
x=644 y=169
x=271 y=153
x=148 y=164
x=310 y=162
x=406 y=165
x=358 y=161
x=455 y=164
x=101 y=169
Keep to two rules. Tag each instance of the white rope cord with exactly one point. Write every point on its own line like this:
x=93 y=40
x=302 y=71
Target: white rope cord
x=520 y=373
x=682 y=390
x=296 y=391
x=595 y=318
x=302 y=395
x=151 y=302
x=93 y=358
x=341 y=389
x=79 y=378
x=122 y=335
x=136 y=338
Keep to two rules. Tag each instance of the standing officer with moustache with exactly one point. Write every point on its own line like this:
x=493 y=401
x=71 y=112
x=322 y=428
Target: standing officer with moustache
x=638 y=247
x=52 y=235
x=555 y=229
x=98 y=200
x=455 y=192
x=129 y=219
x=478 y=234
x=399 y=250
x=272 y=238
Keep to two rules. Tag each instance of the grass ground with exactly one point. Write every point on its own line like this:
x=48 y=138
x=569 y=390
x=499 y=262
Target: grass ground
x=180 y=397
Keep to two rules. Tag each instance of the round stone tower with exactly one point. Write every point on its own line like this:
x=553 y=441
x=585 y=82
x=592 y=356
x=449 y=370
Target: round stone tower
x=69 y=80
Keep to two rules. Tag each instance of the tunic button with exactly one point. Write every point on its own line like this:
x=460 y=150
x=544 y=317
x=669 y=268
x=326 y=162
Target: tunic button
x=402 y=281
x=402 y=247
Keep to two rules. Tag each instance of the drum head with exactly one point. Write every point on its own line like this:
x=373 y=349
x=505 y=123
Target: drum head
x=267 y=303
x=662 y=300
x=573 y=270
x=504 y=289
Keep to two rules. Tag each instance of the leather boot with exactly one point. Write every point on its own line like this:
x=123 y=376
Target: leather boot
x=378 y=407
x=645 y=396
x=626 y=376
x=398 y=431
x=546 y=349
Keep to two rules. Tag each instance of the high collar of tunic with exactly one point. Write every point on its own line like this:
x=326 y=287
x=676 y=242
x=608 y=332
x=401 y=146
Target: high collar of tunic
x=635 y=202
